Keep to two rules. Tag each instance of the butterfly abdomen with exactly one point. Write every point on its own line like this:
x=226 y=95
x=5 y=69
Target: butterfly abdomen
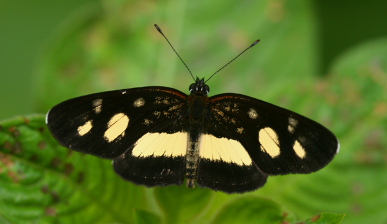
x=192 y=158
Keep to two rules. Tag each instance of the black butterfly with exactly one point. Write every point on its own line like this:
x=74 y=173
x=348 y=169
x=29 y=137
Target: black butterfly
x=160 y=136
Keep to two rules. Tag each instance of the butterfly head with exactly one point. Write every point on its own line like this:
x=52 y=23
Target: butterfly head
x=199 y=87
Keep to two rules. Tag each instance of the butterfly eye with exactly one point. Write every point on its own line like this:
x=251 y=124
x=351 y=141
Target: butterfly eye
x=206 y=89
x=191 y=87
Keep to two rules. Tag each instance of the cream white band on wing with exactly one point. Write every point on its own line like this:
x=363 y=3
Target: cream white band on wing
x=161 y=144
x=223 y=149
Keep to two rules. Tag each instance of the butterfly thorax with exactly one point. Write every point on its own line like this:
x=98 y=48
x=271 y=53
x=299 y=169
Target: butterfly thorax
x=197 y=107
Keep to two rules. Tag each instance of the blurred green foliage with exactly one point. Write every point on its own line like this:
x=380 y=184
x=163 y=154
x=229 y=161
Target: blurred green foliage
x=50 y=52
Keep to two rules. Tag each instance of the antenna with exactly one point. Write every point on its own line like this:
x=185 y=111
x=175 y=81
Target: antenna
x=252 y=45
x=161 y=32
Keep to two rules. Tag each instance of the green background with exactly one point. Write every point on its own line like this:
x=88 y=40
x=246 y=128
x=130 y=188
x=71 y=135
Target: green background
x=28 y=28
x=324 y=59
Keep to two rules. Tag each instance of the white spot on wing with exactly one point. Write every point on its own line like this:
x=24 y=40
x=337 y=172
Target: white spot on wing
x=116 y=127
x=97 y=104
x=139 y=102
x=157 y=114
x=300 y=151
x=84 y=129
x=292 y=124
x=269 y=142
x=223 y=149
x=147 y=122
x=161 y=144
x=252 y=113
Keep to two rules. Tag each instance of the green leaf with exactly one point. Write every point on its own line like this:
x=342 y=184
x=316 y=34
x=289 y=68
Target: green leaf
x=181 y=204
x=250 y=210
x=43 y=182
x=145 y=217
x=325 y=218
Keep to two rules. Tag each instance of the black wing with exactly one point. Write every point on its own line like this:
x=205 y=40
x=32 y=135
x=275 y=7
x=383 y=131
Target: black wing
x=112 y=124
x=278 y=141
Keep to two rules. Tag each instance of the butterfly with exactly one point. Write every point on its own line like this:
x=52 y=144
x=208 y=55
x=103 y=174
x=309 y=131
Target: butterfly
x=159 y=136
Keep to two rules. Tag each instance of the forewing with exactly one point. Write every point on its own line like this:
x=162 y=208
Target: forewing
x=108 y=124
x=277 y=140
